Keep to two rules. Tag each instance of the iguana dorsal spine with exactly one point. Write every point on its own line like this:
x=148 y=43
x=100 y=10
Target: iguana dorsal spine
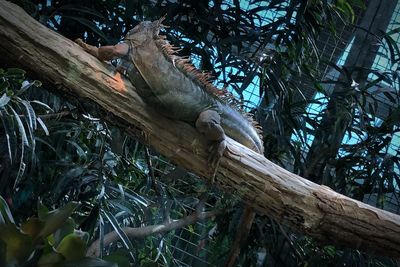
x=145 y=39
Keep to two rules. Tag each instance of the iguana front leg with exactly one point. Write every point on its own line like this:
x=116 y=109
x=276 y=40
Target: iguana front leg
x=105 y=53
x=209 y=124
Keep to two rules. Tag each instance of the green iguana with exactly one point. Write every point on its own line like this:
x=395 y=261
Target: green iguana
x=172 y=85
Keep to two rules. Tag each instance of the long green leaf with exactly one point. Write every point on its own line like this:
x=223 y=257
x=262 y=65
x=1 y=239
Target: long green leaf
x=43 y=105
x=31 y=114
x=4 y=99
x=3 y=118
x=124 y=238
x=25 y=86
x=19 y=245
x=43 y=125
x=5 y=213
x=79 y=150
x=56 y=218
x=21 y=127
x=72 y=247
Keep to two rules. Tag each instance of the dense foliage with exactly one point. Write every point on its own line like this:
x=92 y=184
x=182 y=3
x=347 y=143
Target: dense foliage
x=56 y=149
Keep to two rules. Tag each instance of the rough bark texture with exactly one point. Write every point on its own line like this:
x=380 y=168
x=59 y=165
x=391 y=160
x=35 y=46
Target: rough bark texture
x=306 y=207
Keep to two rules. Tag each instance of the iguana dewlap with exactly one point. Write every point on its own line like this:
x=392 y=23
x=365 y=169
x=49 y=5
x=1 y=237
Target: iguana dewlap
x=173 y=86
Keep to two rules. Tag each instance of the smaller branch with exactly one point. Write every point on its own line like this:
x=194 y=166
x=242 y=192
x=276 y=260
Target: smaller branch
x=142 y=232
x=56 y=116
x=151 y=171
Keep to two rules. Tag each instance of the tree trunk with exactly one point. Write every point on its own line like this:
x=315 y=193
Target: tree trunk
x=298 y=203
x=329 y=136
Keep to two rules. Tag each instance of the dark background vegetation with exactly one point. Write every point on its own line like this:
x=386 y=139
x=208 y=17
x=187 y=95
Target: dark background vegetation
x=57 y=150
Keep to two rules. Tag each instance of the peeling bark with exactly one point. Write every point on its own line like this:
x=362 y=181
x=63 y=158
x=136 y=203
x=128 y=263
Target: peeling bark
x=291 y=200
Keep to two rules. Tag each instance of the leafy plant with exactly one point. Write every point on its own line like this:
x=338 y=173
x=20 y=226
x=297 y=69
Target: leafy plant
x=47 y=240
x=19 y=122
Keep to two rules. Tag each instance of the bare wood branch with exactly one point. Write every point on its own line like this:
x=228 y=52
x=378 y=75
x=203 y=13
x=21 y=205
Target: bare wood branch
x=291 y=200
x=142 y=232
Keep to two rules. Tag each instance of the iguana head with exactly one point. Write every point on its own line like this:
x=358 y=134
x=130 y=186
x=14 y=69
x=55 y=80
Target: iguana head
x=144 y=32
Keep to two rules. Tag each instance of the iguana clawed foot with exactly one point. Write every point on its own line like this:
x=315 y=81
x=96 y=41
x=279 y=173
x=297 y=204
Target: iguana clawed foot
x=216 y=151
x=209 y=124
x=80 y=42
x=88 y=48
x=105 y=53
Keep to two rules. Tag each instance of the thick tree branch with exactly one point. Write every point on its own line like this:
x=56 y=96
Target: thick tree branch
x=142 y=232
x=306 y=207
